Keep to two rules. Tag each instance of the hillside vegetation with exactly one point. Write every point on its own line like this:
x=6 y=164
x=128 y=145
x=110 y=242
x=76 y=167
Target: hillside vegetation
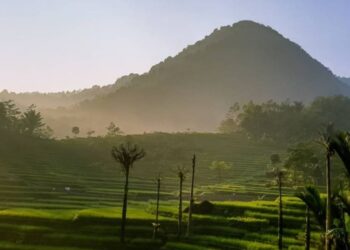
x=67 y=194
x=239 y=63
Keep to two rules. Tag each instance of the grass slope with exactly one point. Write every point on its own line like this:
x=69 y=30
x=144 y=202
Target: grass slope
x=39 y=212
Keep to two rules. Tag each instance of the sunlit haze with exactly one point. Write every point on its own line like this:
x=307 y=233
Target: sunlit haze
x=64 y=45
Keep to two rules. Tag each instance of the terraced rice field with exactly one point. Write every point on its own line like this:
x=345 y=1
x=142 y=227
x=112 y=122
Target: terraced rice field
x=67 y=194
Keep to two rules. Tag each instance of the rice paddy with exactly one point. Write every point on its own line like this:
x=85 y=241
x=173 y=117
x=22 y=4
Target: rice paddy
x=66 y=195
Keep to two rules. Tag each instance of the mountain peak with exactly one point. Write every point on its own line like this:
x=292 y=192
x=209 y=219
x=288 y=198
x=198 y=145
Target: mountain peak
x=194 y=89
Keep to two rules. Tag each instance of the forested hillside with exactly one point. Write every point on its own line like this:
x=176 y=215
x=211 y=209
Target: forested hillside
x=64 y=99
x=193 y=90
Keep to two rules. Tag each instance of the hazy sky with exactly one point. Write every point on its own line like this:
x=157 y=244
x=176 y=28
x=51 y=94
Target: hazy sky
x=50 y=45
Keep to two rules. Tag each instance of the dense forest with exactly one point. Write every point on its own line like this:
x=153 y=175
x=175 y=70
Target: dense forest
x=287 y=121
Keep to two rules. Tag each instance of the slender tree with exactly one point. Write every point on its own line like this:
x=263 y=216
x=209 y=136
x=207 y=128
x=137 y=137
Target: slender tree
x=181 y=174
x=189 y=222
x=307 y=228
x=342 y=200
x=326 y=141
x=315 y=205
x=280 y=209
x=156 y=224
x=341 y=145
x=278 y=174
x=126 y=156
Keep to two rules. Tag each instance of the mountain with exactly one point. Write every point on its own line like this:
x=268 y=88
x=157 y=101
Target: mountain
x=64 y=99
x=345 y=80
x=193 y=90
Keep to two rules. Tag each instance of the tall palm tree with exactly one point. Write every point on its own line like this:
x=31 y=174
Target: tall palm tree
x=307 y=228
x=341 y=145
x=126 y=156
x=278 y=174
x=191 y=197
x=156 y=225
x=315 y=204
x=280 y=209
x=327 y=139
x=342 y=200
x=181 y=174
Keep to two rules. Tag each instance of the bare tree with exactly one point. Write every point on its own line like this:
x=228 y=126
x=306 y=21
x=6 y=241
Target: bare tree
x=126 y=156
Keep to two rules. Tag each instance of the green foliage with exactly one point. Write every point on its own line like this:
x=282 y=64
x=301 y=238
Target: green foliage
x=317 y=205
x=76 y=130
x=113 y=130
x=237 y=63
x=9 y=116
x=304 y=162
x=291 y=121
x=275 y=159
x=30 y=122
x=340 y=143
x=220 y=167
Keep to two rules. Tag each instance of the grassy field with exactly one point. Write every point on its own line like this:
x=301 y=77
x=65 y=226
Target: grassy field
x=67 y=194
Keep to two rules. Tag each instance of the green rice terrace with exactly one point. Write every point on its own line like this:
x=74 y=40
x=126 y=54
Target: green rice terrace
x=67 y=194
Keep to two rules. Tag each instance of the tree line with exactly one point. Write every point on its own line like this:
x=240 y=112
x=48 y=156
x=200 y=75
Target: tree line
x=28 y=122
x=287 y=121
x=328 y=211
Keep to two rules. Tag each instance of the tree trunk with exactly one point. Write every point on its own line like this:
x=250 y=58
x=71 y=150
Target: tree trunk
x=156 y=225
x=280 y=212
x=125 y=204
x=191 y=197
x=179 y=227
x=307 y=229
x=343 y=225
x=328 y=212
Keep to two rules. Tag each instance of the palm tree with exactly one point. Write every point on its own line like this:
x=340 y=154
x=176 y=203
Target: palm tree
x=280 y=210
x=342 y=202
x=191 y=197
x=315 y=204
x=278 y=173
x=181 y=174
x=126 y=156
x=327 y=139
x=307 y=228
x=341 y=145
x=156 y=225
